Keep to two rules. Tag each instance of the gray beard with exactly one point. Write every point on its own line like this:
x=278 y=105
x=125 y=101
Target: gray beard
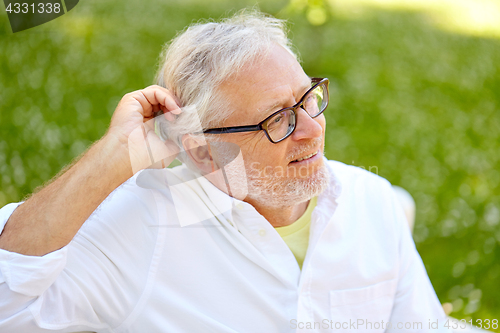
x=278 y=192
x=273 y=188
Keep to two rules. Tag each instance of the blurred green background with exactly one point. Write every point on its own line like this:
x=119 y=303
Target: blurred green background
x=415 y=91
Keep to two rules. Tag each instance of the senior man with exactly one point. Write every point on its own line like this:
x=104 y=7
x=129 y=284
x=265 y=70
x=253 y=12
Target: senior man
x=255 y=232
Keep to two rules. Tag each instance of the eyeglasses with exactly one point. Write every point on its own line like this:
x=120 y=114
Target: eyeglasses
x=281 y=124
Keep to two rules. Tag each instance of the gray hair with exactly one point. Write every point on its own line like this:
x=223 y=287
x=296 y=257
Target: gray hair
x=202 y=57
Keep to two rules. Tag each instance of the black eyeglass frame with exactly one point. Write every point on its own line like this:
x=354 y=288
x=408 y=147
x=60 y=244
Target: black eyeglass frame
x=262 y=126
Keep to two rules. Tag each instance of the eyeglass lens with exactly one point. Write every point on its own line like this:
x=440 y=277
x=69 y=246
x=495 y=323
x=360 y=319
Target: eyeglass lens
x=283 y=123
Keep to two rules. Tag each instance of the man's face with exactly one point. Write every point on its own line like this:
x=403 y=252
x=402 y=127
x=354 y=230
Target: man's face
x=274 y=177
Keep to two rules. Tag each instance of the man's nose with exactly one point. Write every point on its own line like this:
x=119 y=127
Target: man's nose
x=307 y=127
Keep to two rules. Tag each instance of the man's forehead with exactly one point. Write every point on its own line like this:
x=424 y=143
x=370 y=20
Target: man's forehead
x=273 y=80
x=279 y=100
x=251 y=102
x=277 y=64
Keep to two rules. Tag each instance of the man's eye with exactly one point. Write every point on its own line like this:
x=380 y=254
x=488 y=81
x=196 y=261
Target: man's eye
x=278 y=119
x=311 y=98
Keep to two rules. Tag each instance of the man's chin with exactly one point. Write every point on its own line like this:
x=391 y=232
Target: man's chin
x=289 y=191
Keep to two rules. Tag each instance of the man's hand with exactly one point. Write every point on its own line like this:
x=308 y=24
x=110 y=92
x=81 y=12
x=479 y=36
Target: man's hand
x=50 y=218
x=133 y=125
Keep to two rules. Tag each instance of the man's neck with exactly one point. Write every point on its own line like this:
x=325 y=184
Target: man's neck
x=277 y=217
x=281 y=217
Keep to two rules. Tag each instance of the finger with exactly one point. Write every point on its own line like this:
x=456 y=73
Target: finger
x=169 y=116
x=160 y=96
x=176 y=99
x=147 y=108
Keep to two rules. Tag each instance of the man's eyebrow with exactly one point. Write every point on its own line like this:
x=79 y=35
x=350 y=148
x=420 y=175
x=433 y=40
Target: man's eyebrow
x=306 y=86
x=269 y=109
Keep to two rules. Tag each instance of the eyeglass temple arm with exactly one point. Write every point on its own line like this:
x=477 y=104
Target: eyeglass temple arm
x=236 y=129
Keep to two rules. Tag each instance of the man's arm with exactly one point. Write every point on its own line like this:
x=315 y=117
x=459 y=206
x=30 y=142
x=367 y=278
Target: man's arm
x=50 y=218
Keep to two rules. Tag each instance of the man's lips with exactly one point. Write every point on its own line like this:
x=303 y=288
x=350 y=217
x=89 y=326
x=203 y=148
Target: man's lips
x=305 y=157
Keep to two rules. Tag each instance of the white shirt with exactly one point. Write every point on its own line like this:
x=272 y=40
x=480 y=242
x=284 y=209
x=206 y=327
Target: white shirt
x=188 y=258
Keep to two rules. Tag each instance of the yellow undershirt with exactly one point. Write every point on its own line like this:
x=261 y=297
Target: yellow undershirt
x=296 y=235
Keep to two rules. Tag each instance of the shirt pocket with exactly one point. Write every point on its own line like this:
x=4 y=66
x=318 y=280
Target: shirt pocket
x=366 y=309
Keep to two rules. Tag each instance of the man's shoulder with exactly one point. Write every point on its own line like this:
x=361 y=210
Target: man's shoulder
x=128 y=196
x=361 y=187
x=129 y=208
x=369 y=201
x=145 y=194
x=348 y=174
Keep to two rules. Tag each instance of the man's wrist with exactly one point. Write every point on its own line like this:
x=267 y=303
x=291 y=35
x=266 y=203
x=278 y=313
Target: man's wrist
x=117 y=157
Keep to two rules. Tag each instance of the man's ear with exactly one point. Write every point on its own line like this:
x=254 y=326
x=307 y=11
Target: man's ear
x=198 y=150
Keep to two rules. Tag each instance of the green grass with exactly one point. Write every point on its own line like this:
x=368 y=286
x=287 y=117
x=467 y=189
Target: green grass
x=419 y=105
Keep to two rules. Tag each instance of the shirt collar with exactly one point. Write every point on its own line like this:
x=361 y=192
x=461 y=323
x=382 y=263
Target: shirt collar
x=189 y=189
x=194 y=198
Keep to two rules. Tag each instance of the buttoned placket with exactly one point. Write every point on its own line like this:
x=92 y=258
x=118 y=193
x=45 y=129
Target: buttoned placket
x=258 y=231
x=320 y=219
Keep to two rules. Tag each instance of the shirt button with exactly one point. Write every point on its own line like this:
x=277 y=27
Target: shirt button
x=262 y=232
x=239 y=206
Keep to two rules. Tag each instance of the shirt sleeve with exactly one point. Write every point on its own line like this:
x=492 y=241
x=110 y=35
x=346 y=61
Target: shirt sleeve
x=96 y=281
x=28 y=275
x=415 y=300
x=24 y=278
